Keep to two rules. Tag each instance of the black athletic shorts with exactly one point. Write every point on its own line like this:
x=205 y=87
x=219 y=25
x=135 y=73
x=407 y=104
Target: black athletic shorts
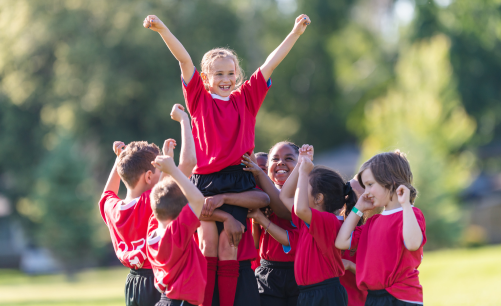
x=165 y=301
x=247 y=293
x=232 y=179
x=383 y=298
x=140 y=288
x=330 y=292
x=276 y=283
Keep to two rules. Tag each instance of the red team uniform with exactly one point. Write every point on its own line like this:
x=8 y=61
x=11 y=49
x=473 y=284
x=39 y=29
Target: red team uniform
x=223 y=129
x=318 y=263
x=128 y=225
x=179 y=266
x=383 y=261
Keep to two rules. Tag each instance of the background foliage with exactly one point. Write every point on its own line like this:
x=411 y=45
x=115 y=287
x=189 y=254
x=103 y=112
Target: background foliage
x=75 y=75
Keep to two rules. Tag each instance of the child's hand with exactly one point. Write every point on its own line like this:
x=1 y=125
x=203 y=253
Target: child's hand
x=234 y=229
x=250 y=165
x=169 y=146
x=165 y=163
x=349 y=266
x=211 y=203
x=152 y=22
x=178 y=113
x=255 y=214
x=118 y=147
x=306 y=166
x=364 y=203
x=301 y=23
x=404 y=195
x=306 y=151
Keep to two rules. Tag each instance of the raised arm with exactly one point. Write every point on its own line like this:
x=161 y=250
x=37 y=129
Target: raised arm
x=278 y=233
x=113 y=183
x=343 y=239
x=188 y=157
x=248 y=199
x=265 y=183
x=192 y=194
x=413 y=237
x=276 y=57
x=176 y=48
x=301 y=201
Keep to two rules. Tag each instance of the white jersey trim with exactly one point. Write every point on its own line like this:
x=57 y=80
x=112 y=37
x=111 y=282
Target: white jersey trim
x=393 y=211
x=124 y=206
x=214 y=96
x=154 y=239
x=412 y=302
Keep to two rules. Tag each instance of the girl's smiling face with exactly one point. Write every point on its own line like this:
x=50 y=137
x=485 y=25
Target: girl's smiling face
x=281 y=162
x=379 y=195
x=222 y=77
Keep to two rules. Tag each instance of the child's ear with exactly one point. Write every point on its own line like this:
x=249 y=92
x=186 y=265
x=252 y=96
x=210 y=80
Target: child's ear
x=319 y=199
x=148 y=176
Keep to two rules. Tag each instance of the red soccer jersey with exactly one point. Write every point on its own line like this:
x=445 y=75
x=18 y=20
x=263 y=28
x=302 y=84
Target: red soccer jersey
x=223 y=130
x=317 y=258
x=179 y=266
x=356 y=297
x=383 y=261
x=246 y=248
x=128 y=225
x=272 y=250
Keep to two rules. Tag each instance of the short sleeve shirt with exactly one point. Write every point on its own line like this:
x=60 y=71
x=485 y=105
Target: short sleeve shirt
x=180 y=268
x=223 y=130
x=317 y=259
x=383 y=261
x=128 y=226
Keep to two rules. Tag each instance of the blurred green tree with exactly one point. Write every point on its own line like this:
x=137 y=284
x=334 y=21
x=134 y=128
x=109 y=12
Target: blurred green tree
x=422 y=115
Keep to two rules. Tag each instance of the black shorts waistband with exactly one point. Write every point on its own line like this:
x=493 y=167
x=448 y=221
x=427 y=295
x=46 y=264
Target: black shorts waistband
x=230 y=169
x=142 y=272
x=277 y=264
x=245 y=264
x=378 y=293
x=324 y=284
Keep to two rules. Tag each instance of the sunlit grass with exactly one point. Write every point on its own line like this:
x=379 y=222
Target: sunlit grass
x=451 y=277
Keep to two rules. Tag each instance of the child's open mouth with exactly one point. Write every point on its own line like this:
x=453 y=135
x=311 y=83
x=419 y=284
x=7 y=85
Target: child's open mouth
x=225 y=88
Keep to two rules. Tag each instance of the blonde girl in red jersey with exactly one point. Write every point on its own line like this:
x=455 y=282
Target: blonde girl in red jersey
x=390 y=245
x=224 y=110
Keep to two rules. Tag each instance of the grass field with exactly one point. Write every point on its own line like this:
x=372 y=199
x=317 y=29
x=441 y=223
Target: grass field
x=453 y=277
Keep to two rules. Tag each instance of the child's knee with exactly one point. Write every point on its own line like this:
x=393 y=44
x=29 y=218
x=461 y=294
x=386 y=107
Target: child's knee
x=208 y=239
x=225 y=250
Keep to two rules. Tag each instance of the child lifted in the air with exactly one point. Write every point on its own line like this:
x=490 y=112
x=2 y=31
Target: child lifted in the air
x=223 y=109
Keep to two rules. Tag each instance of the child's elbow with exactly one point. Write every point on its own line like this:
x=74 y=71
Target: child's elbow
x=265 y=199
x=341 y=245
x=414 y=244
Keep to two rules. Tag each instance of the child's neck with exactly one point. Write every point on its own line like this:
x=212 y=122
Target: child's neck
x=394 y=204
x=135 y=192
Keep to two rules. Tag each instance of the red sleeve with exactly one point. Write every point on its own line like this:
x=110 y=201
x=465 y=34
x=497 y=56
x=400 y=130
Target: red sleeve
x=194 y=92
x=254 y=90
x=355 y=237
x=324 y=228
x=108 y=202
x=293 y=236
x=179 y=233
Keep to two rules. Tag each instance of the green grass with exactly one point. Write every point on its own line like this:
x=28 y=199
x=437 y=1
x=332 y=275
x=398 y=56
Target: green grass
x=451 y=277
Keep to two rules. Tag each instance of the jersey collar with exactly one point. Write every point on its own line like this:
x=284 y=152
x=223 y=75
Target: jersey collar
x=390 y=212
x=214 y=96
x=124 y=206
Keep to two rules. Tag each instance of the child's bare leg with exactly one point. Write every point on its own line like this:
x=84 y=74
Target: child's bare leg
x=208 y=243
x=227 y=270
x=208 y=238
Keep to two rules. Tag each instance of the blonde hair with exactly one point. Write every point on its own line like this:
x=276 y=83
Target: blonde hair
x=211 y=56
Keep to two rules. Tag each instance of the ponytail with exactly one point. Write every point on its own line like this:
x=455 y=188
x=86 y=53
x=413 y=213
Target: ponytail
x=350 y=201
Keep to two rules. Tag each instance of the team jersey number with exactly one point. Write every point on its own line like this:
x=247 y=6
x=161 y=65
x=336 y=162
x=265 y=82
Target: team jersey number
x=133 y=256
